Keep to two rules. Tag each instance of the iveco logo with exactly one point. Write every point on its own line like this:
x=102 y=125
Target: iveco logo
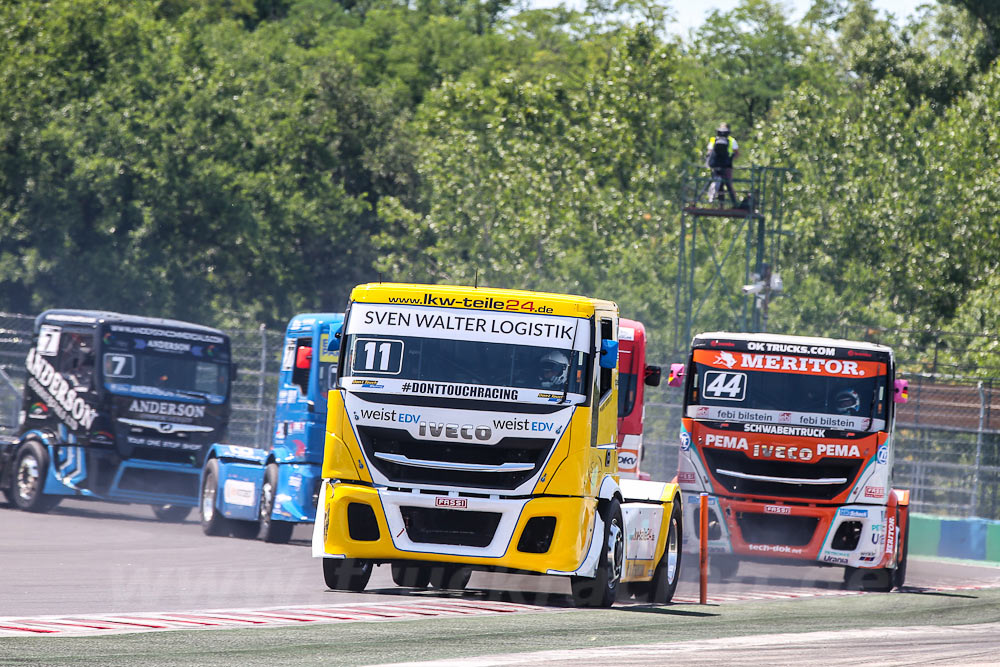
x=463 y=432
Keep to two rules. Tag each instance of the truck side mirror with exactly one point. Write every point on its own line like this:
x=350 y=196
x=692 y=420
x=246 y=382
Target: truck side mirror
x=609 y=353
x=333 y=340
x=233 y=372
x=303 y=357
x=676 y=377
x=652 y=377
x=901 y=391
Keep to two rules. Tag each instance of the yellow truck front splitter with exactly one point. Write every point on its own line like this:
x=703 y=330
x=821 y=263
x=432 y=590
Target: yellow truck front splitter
x=538 y=534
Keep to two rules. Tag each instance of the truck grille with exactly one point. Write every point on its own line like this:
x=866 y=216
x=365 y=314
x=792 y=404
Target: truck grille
x=406 y=460
x=456 y=527
x=793 y=531
x=826 y=468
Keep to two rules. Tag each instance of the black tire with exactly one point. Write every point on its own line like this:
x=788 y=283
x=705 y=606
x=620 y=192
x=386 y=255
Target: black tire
x=411 y=576
x=868 y=579
x=171 y=513
x=272 y=530
x=668 y=570
x=881 y=580
x=347 y=574
x=899 y=575
x=601 y=590
x=724 y=566
x=31 y=467
x=212 y=521
x=450 y=577
x=244 y=530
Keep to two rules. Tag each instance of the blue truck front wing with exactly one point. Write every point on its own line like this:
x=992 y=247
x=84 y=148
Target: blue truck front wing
x=241 y=481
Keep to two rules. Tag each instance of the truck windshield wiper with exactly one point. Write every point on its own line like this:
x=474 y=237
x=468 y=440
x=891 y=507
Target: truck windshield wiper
x=871 y=410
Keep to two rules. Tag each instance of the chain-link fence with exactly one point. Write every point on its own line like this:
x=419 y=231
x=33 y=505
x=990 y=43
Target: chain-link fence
x=947 y=443
x=947 y=436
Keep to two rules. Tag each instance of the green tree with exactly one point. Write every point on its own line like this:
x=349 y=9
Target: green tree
x=987 y=14
x=750 y=57
x=537 y=184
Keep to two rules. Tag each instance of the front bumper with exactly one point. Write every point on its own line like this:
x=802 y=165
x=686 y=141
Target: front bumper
x=537 y=534
x=861 y=536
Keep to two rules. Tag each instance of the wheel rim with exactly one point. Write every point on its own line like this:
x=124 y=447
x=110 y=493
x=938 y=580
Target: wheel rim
x=616 y=552
x=28 y=477
x=266 y=504
x=208 y=500
x=673 y=551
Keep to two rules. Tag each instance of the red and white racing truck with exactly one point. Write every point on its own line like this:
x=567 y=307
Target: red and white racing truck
x=792 y=439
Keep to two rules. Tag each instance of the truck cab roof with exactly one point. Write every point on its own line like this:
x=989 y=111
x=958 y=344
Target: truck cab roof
x=481 y=298
x=80 y=317
x=704 y=339
x=307 y=321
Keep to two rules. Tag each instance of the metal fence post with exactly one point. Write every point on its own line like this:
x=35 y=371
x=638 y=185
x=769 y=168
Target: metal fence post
x=979 y=448
x=260 y=385
x=15 y=404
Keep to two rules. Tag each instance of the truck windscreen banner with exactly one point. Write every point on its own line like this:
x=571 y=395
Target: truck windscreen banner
x=548 y=331
x=843 y=394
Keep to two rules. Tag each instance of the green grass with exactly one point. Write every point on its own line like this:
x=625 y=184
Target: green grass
x=363 y=643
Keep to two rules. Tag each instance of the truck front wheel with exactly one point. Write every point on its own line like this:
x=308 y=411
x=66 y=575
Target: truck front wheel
x=171 y=513
x=899 y=574
x=31 y=466
x=601 y=590
x=271 y=530
x=411 y=576
x=883 y=579
x=347 y=574
x=450 y=577
x=212 y=521
x=667 y=572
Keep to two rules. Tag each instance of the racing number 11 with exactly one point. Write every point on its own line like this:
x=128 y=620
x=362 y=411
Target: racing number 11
x=384 y=350
x=373 y=355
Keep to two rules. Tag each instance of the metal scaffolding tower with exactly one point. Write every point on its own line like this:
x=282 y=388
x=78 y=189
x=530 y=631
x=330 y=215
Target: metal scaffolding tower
x=713 y=237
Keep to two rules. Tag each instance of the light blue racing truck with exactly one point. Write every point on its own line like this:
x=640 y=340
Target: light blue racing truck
x=245 y=491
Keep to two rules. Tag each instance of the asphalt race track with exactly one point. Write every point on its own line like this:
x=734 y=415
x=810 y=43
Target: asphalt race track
x=88 y=558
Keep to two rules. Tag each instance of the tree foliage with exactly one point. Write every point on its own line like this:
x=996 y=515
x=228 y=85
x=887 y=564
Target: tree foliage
x=232 y=162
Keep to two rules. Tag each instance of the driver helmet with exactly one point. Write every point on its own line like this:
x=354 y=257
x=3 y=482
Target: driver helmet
x=554 y=366
x=723 y=130
x=847 y=402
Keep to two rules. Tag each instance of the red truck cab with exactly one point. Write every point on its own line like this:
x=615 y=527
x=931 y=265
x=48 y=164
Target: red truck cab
x=633 y=376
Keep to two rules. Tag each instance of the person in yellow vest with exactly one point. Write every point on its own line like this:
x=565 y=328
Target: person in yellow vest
x=722 y=150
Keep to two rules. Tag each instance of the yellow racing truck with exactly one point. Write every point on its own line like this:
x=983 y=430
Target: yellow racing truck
x=476 y=429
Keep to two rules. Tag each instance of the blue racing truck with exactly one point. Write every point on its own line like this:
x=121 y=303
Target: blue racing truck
x=119 y=408
x=247 y=491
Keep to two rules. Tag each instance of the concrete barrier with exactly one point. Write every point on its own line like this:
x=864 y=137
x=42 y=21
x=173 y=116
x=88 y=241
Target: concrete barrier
x=970 y=539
